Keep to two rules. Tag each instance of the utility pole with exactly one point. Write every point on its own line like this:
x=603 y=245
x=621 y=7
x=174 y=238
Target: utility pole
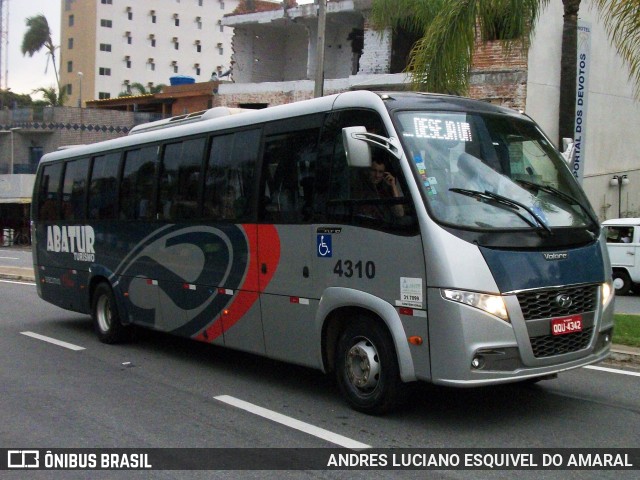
x=318 y=91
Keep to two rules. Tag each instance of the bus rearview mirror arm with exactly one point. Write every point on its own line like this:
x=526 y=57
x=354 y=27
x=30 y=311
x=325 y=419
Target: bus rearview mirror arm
x=357 y=143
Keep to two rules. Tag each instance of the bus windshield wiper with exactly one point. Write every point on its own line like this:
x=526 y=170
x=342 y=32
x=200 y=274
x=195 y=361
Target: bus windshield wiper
x=513 y=205
x=554 y=191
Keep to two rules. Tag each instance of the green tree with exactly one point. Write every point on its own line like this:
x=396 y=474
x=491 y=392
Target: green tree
x=142 y=90
x=8 y=99
x=37 y=37
x=441 y=60
x=51 y=96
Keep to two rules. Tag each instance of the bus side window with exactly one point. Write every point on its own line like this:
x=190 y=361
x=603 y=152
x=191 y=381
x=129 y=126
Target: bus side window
x=179 y=179
x=103 y=187
x=230 y=174
x=137 y=186
x=372 y=197
x=74 y=189
x=48 y=196
x=288 y=171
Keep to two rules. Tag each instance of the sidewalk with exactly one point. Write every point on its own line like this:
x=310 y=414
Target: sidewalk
x=620 y=353
x=24 y=274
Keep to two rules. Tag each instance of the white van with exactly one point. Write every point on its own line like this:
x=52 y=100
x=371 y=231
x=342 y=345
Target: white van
x=623 y=243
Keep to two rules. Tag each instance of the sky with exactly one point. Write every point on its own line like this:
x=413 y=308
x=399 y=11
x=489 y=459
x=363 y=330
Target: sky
x=28 y=73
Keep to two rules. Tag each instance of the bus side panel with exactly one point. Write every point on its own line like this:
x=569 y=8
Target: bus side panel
x=61 y=278
x=288 y=311
x=241 y=318
x=387 y=266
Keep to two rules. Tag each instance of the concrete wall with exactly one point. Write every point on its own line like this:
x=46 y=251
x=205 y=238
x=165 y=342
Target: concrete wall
x=60 y=126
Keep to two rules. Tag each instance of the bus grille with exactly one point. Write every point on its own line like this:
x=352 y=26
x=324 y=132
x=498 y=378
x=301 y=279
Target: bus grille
x=542 y=303
x=549 y=345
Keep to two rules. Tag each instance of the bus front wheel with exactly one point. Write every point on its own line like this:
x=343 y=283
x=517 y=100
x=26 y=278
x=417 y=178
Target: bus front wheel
x=367 y=368
x=106 y=320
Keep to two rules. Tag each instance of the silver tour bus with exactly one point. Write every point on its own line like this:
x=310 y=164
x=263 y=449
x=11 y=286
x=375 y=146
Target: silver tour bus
x=386 y=238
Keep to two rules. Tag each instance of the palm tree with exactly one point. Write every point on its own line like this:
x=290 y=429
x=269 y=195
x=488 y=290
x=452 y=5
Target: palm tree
x=441 y=60
x=37 y=37
x=142 y=90
x=51 y=96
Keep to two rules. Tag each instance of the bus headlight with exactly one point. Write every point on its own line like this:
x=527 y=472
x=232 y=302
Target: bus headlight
x=493 y=304
x=607 y=292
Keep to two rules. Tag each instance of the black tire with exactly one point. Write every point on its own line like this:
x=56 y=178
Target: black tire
x=621 y=282
x=367 y=367
x=106 y=320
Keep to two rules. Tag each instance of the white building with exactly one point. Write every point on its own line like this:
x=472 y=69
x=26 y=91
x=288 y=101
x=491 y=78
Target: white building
x=107 y=45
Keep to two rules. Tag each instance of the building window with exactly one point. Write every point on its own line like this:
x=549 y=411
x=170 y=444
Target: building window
x=176 y=20
x=174 y=66
x=128 y=37
x=105 y=47
x=106 y=2
x=70 y=43
x=127 y=61
x=151 y=63
x=71 y=20
x=130 y=15
x=104 y=95
x=153 y=19
x=105 y=71
x=198 y=46
x=220 y=49
x=220 y=26
x=69 y=89
x=69 y=66
x=221 y=4
x=199 y=3
x=106 y=23
x=199 y=23
x=152 y=39
x=196 y=67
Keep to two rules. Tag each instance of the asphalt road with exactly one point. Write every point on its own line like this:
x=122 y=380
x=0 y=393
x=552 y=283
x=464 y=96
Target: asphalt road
x=161 y=391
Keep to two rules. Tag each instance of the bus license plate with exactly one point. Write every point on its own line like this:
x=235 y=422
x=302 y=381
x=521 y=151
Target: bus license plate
x=565 y=325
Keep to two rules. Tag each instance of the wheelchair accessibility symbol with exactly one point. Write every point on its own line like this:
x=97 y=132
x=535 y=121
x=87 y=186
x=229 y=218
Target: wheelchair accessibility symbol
x=324 y=246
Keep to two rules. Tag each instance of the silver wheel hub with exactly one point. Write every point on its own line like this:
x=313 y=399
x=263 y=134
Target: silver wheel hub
x=618 y=283
x=363 y=366
x=103 y=312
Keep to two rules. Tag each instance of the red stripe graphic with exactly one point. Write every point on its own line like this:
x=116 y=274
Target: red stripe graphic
x=265 y=251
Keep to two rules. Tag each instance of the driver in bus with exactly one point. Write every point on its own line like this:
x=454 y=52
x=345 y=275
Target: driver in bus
x=380 y=184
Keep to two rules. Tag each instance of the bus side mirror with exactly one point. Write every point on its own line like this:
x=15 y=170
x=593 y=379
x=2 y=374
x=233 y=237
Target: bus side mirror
x=357 y=149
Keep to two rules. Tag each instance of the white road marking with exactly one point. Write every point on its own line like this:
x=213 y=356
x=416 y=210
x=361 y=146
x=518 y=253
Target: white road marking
x=613 y=370
x=17 y=282
x=60 y=343
x=293 y=423
x=10 y=258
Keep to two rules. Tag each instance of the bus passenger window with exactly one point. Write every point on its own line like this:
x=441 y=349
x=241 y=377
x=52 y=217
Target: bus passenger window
x=48 y=192
x=229 y=178
x=74 y=189
x=288 y=170
x=179 y=180
x=137 y=186
x=103 y=187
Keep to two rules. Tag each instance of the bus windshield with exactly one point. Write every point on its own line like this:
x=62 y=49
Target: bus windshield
x=491 y=172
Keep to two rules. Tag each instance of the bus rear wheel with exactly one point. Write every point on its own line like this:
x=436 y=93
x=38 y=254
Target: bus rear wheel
x=367 y=368
x=106 y=320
